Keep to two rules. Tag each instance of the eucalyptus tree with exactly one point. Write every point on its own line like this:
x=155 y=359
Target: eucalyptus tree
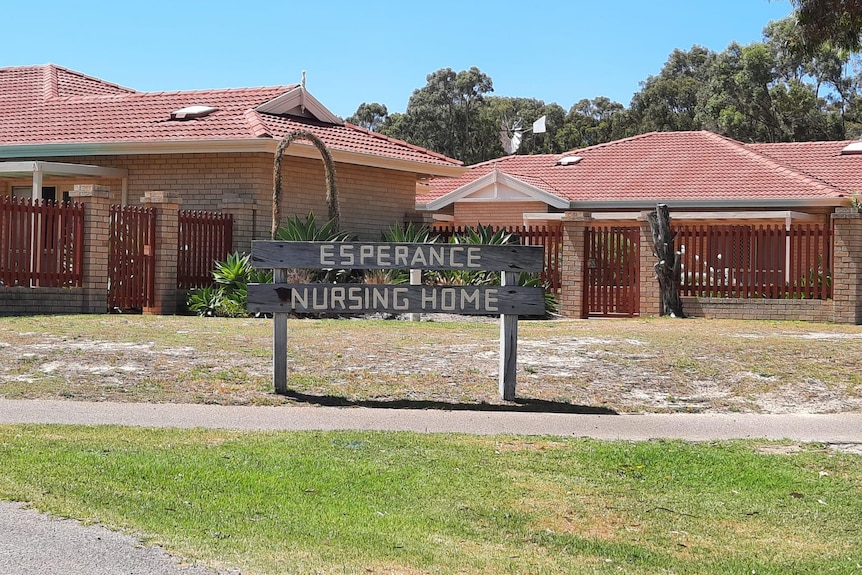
x=371 y=116
x=596 y=121
x=669 y=101
x=836 y=22
x=444 y=115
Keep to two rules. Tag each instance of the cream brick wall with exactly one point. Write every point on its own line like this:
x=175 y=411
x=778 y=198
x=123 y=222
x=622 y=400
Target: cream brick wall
x=371 y=199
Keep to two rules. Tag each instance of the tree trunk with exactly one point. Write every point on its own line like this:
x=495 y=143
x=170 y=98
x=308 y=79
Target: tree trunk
x=667 y=270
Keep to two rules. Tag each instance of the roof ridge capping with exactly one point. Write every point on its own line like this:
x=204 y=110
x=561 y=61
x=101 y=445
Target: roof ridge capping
x=575 y=151
x=407 y=145
x=51 y=76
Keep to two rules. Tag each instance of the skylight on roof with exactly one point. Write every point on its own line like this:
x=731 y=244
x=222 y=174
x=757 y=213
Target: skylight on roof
x=192 y=112
x=569 y=160
x=852 y=148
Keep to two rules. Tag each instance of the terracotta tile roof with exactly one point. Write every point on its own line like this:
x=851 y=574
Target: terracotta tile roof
x=823 y=160
x=52 y=105
x=656 y=167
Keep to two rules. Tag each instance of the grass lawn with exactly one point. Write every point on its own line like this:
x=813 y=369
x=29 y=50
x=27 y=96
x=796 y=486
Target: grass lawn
x=349 y=502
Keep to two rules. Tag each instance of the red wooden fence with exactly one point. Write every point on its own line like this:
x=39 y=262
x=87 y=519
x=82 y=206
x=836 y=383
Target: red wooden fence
x=549 y=237
x=131 y=279
x=766 y=261
x=41 y=243
x=204 y=238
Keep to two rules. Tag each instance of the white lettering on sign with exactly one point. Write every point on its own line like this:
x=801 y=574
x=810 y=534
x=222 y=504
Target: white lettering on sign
x=364 y=298
x=400 y=256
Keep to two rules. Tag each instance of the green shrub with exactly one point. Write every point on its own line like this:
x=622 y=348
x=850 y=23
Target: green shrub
x=228 y=295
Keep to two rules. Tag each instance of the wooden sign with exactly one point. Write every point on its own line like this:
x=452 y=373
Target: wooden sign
x=374 y=298
x=508 y=299
x=382 y=255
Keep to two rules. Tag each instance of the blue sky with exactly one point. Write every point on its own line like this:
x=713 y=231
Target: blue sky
x=377 y=50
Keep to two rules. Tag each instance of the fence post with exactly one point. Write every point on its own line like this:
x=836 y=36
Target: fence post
x=572 y=265
x=164 y=252
x=97 y=218
x=650 y=291
x=243 y=208
x=847 y=265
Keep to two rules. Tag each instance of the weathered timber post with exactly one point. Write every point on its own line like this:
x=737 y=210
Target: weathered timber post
x=667 y=269
x=279 y=340
x=508 y=345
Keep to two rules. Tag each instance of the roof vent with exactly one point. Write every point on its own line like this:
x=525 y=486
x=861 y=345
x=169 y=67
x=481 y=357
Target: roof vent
x=569 y=160
x=192 y=112
x=852 y=148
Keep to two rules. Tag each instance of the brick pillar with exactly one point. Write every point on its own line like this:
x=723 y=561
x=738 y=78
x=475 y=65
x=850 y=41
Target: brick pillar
x=572 y=265
x=97 y=218
x=165 y=300
x=847 y=265
x=243 y=208
x=650 y=291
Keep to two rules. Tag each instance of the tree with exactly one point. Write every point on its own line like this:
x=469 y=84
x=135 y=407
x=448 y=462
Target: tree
x=443 y=115
x=669 y=265
x=838 y=22
x=669 y=102
x=591 y=122
x=370 y=116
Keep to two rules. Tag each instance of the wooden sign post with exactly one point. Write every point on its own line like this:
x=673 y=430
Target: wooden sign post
x=507 y=300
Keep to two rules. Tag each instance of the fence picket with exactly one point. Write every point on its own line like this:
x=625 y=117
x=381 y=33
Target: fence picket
x=34 y=248
x=763 y=261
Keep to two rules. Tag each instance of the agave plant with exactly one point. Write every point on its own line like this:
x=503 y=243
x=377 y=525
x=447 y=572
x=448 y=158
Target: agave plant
x=480 y=235
x=399 y=234
x=297 y=229
x=228 y=295
x=308 y=229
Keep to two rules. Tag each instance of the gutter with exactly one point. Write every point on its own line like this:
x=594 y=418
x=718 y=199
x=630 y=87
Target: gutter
x=724 y=205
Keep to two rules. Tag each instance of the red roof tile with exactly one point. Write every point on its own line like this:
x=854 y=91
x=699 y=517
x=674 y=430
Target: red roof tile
x=52 y=105
x=656 y=167
x=823 y=160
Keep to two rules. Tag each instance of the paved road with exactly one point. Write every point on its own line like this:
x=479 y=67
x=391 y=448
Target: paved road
x=36 y=544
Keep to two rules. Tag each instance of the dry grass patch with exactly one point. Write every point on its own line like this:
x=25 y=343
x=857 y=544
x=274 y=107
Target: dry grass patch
x=640 y=365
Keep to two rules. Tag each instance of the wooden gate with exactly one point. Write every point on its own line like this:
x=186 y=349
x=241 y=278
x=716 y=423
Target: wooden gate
x=611 y=275
x=131 y=280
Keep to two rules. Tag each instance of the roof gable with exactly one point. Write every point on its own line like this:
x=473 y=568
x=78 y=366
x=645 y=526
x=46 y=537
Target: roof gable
x=298 y=102
x=498 y=186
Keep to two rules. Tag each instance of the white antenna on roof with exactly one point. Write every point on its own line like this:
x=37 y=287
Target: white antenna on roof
x=302 y=101
x=512 y=133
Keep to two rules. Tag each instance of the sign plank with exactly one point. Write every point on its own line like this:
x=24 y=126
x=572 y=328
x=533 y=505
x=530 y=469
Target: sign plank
x=370 y=298
x=385 y=255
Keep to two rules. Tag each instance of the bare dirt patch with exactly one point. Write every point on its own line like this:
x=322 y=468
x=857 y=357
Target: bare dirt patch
x=647 y=365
